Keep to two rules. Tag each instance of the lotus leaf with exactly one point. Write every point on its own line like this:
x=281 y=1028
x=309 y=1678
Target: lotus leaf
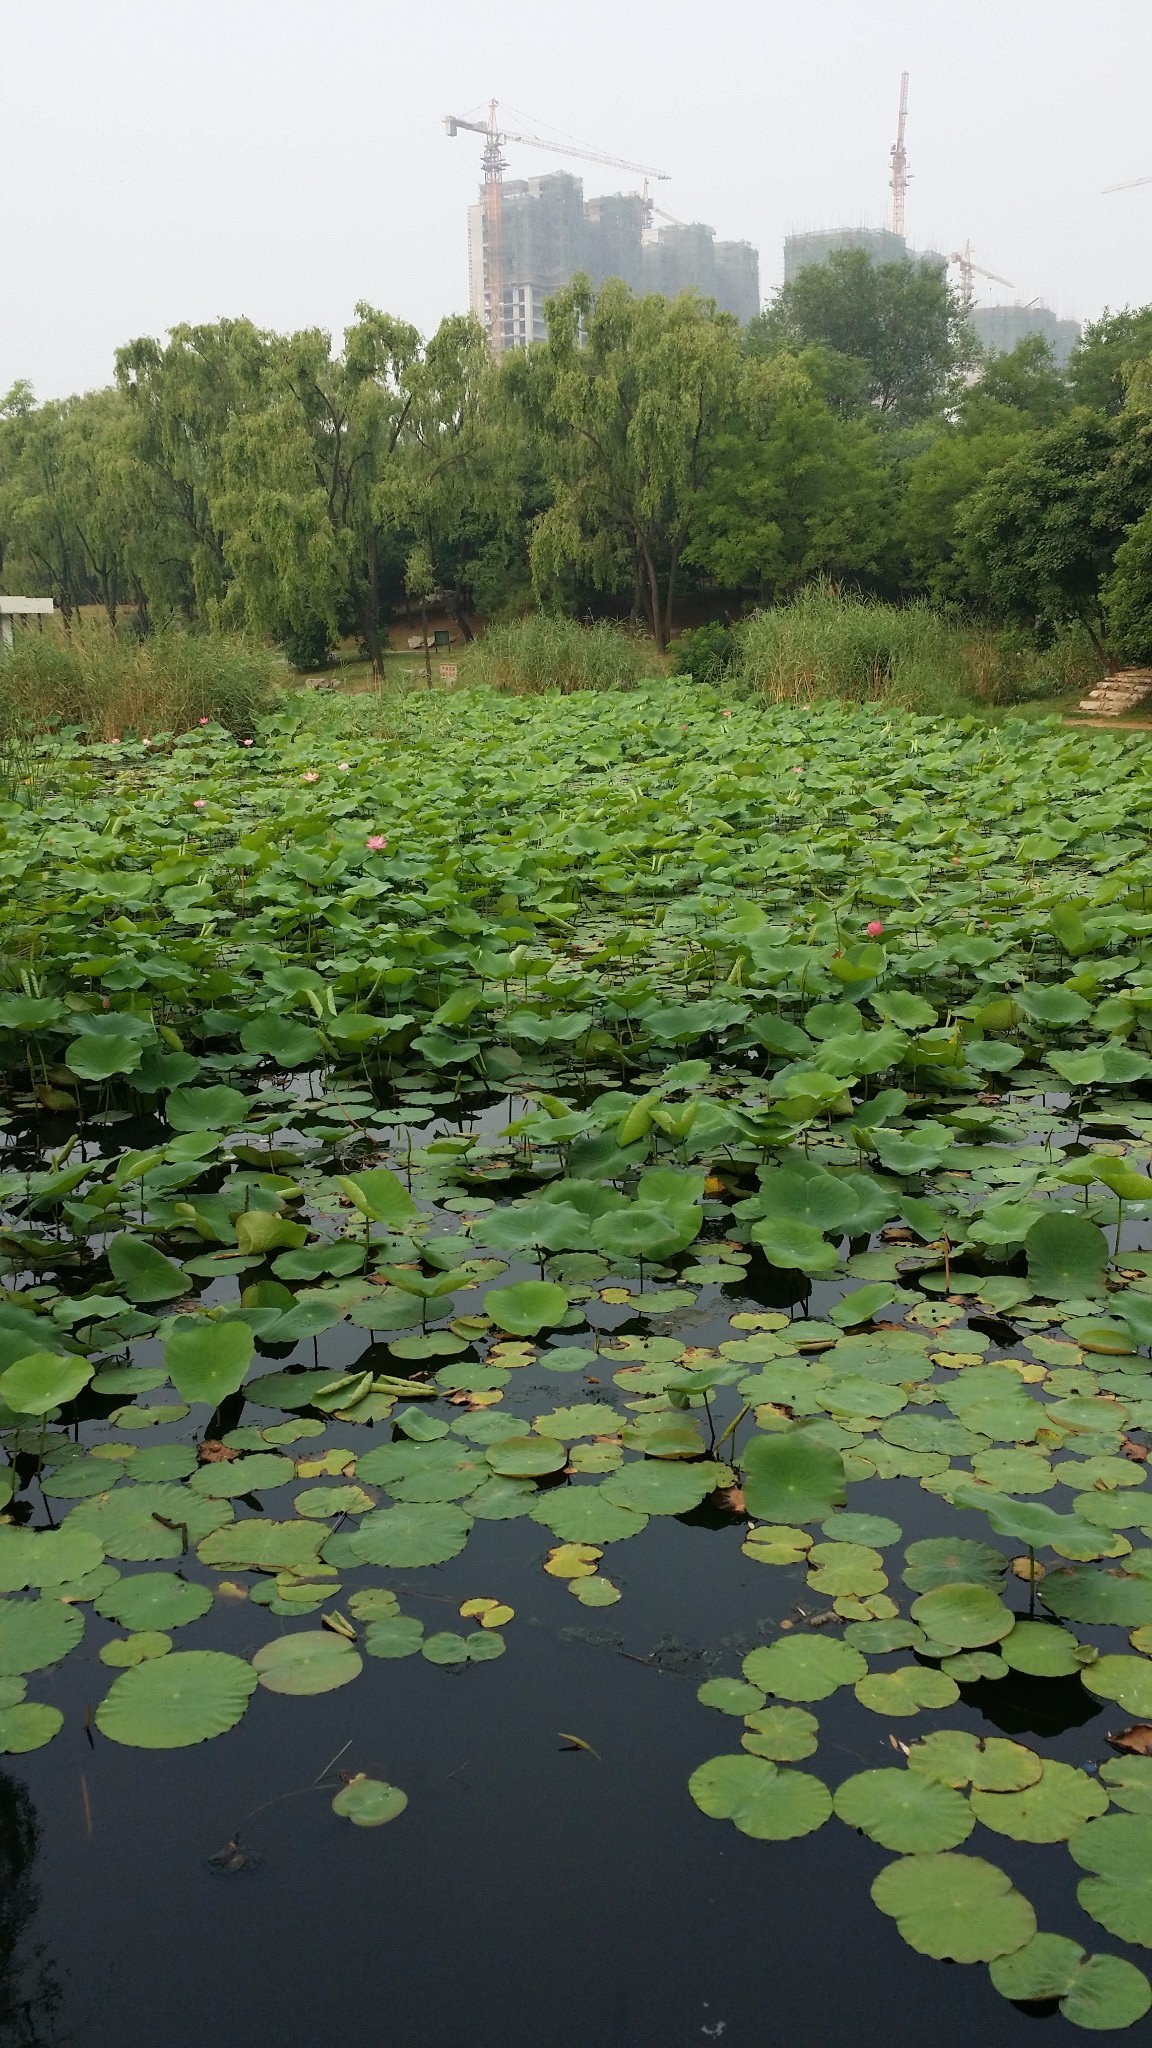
x=172 y=1702
x=154 y=1600
x=905 y=1811
x=1117 y=1851
x=906 y=1690
x=311 y=1661
x=369 y=1802
x=954 y=1906
x=761 y=1800
x=804 y=1667
x=790 y=1478
x=1097 y=1992
x=527 y=1307
x=967 y=1616
x=785 y=1734
x=28 y=1725
x=411 y=1534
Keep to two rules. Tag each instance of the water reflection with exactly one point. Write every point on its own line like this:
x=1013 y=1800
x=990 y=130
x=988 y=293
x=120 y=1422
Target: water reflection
x=30 y=1992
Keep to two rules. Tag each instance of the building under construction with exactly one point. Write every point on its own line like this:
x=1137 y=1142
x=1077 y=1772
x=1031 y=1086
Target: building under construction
x=550 y=232
x=528 y=236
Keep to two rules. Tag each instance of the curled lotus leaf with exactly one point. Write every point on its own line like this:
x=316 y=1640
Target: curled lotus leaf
x=954 y=1906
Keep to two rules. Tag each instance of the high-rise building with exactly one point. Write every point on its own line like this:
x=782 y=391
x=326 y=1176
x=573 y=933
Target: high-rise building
x=549 y=232
x=881 y=244
x=999 y=328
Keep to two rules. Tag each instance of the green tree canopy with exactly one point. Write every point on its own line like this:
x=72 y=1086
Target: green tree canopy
x=902 y=321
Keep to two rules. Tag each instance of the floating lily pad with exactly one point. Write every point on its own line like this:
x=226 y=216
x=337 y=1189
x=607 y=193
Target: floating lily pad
x=1127 y=1680
x=659 y=1489
x=904 y=1810
x=785 y=1734
x=154 y=1600
x=760 y=1799
x=369 y=1802
x=804 y=1667
x=394 y=1635
x=1117 y=1851
x=411 y=1534
x=991 y=1763
x=906 y=1690
x=954 y=1906
x=311 y=1661
x=968 y=1616
x=143 y=1524
x=125 y=1651
x=524 y=1457
x=1100 y=1993
x=36 y=1633
x=1051 y=1810
x=1044 y=1651
x=791 y=1478
x=172 y=1702
x=28 y=1725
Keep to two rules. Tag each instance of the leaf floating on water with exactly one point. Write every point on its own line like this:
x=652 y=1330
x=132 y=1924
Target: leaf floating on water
x=578 y=1742
x=369 y=1802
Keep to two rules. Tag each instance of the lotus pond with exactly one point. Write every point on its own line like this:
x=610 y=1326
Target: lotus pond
x=576 y=1378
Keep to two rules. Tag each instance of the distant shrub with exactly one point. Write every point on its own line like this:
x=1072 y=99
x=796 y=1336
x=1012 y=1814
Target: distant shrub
x=543 y=652
x=309 y=644
x=706 y=654
x=826 y=644
x=110 y=683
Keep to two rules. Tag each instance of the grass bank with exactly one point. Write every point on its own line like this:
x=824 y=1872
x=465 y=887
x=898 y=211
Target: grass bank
x=110 y=685
x=542 y=652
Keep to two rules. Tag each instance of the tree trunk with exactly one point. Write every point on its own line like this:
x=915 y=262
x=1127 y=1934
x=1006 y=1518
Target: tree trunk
x=427 y=649
x=653 y=608
x=369 y=632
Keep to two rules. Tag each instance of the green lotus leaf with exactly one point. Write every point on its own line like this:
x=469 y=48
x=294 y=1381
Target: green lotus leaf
x=1117 y=1851
x=172 y=1702
x=380 y=1195
x=1044 y=1651
x=1051 y=1810
x=1067 y=1257
x=411 y=1534
x=1101 y=1993
x=144 y=1523
x=310 y=1661
x=954 y=1757
x=580 y=1514
x=43 y=1380
x=205 y=1109
x=1084 y=1593
x=281 y=1039
x=1129 y=1783
x=235 y=1477
x=1127 y=1680
x=906 y=1690
x=804 y=1667
x=792 y=1478
x=393 y=1635
x=96 y=1057
x=28 y=1725
x=784 y=1734
x=968 y=1616
x=36 y=1633
x=154 y=1600
x=46 y=1557
x=659 y=1489
x=478 y=1648
x=526 y=1457
x=875 y=1530
x=761 y=1800
x=527 y=1307
x=947 y=1561
x=262 y=1546
x=324 y=1503
x=954 y=1906
x=905 y=1811
x=369 y=1802
x=125 y=1651
x=730 y=1695
x=205 y=1359
x=143 y=1273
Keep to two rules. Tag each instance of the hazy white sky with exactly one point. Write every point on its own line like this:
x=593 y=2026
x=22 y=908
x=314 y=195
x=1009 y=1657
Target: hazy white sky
x=167 y=160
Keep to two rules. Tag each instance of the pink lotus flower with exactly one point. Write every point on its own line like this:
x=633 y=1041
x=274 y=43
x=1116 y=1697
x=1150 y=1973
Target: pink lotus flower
x=874 y=929
x=199 y=802
x=203 y=721
x=310 y=775
x=344 y=767
x=246 y=743
x=725 y=714
x=797 y=771
x=145 y=743
x=376 y=842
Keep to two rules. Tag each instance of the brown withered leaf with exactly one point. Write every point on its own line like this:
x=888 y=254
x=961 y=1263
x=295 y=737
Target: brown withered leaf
x=732 y=1498
x=1137 y=1452
x=213 y=1452
x=1136 y=1741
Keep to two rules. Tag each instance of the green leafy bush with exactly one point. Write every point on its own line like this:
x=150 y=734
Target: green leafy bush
x=706 y=654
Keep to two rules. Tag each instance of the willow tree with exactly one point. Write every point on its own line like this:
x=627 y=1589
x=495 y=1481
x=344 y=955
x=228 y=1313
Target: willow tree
x=627 y=400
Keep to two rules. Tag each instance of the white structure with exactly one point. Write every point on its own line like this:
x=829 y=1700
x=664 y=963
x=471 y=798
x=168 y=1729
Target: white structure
x=19 y=607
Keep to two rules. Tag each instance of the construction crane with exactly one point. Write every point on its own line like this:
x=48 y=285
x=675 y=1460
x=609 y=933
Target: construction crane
x=1129 y=185
x=898 y=158
x=494 y=165
x=969 y=268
